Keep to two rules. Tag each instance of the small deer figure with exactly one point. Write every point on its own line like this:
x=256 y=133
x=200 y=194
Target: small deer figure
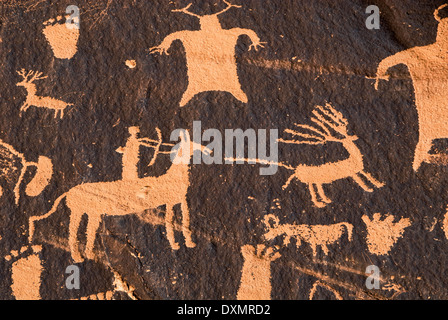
x=327 y=119
x=40 y=102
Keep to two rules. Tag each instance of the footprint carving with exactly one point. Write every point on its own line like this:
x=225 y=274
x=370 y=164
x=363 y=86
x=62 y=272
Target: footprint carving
x=63 y=38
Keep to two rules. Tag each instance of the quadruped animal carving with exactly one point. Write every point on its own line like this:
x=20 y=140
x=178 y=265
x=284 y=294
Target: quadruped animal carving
x=210 y=54
x=32 y=99
x=315 y=235
x=327 y=119
x=129 y=196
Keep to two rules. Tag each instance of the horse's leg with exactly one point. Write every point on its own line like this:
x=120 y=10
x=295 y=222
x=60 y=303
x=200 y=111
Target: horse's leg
x=361 y=183
x=169 y=217
x=92 y=227
x=316 y=202
x=321 y=193
x=372 y=180
x=186 y=224
x=75 y=221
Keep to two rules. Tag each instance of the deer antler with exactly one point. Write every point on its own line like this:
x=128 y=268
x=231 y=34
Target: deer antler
x=437 y=12
x=327 y=117
x=229 y=6
x=324 y=118
x=185 y=10
x=37 y=76
x=25 y=74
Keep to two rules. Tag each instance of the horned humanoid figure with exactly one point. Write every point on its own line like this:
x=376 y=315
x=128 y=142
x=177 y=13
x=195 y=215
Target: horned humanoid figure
x=210 y=55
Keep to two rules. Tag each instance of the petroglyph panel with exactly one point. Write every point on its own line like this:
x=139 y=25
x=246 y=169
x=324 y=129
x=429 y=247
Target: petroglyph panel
x=134 y=136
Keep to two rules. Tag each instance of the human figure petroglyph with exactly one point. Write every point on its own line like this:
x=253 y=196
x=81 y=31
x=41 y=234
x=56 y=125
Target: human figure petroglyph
x=428 y=66
x=32 y=99
x=256 y=274
x=383 y=232
x=124 y=197
x=131 y=152
x=315 y=235
x=210 y=54
x=328 y=119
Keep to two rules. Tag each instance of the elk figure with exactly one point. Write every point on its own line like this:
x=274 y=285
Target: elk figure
x=32 y=99
x=326 y=120
x=210 y=53
x=130 y=196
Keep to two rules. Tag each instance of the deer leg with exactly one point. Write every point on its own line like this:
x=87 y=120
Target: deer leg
x=372 y=180
x=186 y=224
x=24 y=108
x=361 y=183
x=75 y=221
x=169 y=216
x=288 y=182
x=92 y=227
x=321 y=193
x=316 y=202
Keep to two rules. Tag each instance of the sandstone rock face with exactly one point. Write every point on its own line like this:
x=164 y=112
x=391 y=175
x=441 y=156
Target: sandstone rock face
x=348 y=122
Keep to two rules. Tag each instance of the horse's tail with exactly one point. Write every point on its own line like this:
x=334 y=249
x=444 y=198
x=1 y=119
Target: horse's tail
x=38 y=218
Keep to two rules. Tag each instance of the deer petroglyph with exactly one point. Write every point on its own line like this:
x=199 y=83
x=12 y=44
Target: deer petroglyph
x=428 y=66
x=315 y=235
x=328 y=119
x=210 y=54
x=131 y=195
x=32 y=99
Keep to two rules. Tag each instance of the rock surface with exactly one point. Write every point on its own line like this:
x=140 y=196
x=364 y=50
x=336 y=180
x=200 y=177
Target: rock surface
x=253 y=238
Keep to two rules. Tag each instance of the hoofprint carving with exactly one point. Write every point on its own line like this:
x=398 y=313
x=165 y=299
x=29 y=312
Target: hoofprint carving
x=315 y=235
x=210 y=55
x=330 y=126
x=428 y=66
x=256 y=274
x=129 y=196
x=32 y=99
x=383 y=232
x=40 y=180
